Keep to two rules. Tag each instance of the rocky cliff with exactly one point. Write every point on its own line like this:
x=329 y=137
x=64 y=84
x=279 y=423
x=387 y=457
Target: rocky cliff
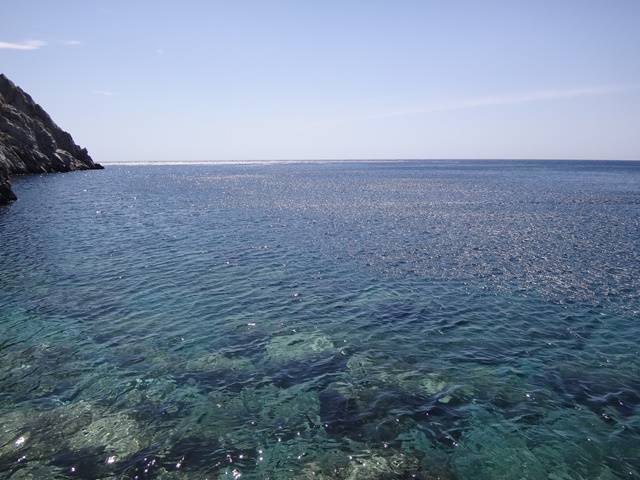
x=30 y=142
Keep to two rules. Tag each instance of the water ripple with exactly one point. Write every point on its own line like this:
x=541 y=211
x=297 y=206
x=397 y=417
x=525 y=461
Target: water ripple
x=341 y=321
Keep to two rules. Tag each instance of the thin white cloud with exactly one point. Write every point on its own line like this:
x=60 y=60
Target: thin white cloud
x=104 y=93
x=512 y=99
x=26 y=45
x=160 y=51
x=72 y=43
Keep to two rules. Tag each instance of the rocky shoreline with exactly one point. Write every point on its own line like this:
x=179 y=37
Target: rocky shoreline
x=31 y=142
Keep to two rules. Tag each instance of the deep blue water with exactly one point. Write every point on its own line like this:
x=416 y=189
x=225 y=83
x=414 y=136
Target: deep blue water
x=453 y=320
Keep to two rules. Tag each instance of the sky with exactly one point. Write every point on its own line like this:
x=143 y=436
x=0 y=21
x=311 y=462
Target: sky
x=141 y=81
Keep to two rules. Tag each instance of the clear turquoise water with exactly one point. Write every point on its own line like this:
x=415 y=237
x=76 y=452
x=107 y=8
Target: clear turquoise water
x=452 y=320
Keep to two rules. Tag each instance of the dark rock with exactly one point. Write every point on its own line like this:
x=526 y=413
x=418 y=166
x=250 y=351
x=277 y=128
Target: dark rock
x=6 y=195
x=338 y=413
x=30 y=142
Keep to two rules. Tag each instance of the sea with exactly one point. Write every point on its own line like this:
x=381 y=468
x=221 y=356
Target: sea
x=322 y=320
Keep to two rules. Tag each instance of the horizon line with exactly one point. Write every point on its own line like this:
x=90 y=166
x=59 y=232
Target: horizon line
x=356 y=160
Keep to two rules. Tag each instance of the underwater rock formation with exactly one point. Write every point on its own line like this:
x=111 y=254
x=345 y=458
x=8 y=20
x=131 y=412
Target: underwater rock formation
x=298 y=347
x=79 y=438
x=31 y=142
x=215 y=361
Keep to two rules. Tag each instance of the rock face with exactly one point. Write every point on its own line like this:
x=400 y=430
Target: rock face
x=6 y=195
x=30 y=142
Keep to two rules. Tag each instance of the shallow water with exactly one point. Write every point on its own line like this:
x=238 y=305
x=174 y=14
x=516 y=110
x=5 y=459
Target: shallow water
x=454 y=320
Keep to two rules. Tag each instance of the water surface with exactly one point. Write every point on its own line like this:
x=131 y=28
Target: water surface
x=454 y=320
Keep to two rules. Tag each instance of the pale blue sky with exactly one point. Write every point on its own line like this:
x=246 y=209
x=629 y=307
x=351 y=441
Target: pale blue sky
x=205 y=80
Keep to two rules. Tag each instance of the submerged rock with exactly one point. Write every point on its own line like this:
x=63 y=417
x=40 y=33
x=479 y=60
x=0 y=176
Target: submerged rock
x=363 y=369
x=38 y=472
x=299 y=346
x=488 y=452
x=378 y=467
x=254 y=415
x=216 y=361
x=434 y=458
x=30 y=141
x=38 y=434
x=432 y=384
x=79 y=435
x=338 y=411
x=161 y=396
x=368 y=466
x=360 y=366
x=118 y=434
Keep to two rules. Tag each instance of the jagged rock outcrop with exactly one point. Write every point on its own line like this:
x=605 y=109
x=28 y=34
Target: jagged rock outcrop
x=30 y=142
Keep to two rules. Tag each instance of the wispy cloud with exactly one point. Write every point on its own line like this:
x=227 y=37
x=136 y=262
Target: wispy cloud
x=26 y=45
x=512 y=99
x=104 y=93
x=72 y=43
